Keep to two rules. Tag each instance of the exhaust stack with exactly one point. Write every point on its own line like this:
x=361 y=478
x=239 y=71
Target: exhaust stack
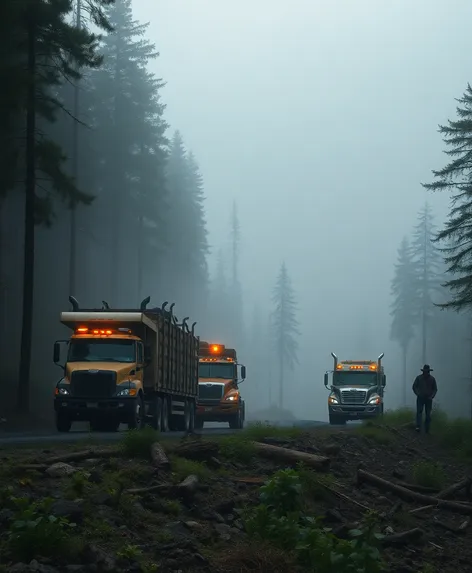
x=379 y=361
x=335 y=358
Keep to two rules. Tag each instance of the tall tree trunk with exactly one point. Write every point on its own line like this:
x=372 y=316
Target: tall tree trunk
x=423 y=335
x=140 y=258
x=405 y=352
x=30 y=184
x=281 y=380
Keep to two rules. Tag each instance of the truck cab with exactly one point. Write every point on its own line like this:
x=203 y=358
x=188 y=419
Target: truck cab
x=356 y=390
x=219 y=396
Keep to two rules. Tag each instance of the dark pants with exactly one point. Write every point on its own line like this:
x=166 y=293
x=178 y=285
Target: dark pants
x=425 y=404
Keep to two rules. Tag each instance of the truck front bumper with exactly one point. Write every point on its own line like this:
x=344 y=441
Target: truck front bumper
x=87 y=410
x=217 y=413
x=355 y=412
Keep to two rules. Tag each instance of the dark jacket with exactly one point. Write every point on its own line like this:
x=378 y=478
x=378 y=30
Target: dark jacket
x=425 y=386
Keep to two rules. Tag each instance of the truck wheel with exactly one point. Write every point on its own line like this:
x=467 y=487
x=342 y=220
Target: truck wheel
x=187 y=415
x=191 y=423
x=165 y=415
x=136 y=420
x=63 y=423
x=237 y=422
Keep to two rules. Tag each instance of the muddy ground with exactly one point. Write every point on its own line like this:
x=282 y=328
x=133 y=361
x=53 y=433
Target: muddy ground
x=118 y=510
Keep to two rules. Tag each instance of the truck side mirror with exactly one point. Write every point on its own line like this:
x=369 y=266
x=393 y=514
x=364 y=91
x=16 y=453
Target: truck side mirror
x=243 y=372
x=384 y=380
x=326 y=380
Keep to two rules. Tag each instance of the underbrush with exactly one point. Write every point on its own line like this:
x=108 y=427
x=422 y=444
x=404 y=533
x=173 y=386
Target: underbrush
x=429 y=474
x=281 y=519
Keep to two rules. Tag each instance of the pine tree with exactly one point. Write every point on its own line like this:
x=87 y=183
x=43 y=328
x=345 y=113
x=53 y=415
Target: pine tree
x=456 y=178
x=285 y=325
x=236 y=305
x=403 y=308
x=54 y=50
x=427 y=262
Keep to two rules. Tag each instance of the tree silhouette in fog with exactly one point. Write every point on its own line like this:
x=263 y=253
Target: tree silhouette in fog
x=456 y=178
x=427 y=264
x=403 y=308
x=285 y=327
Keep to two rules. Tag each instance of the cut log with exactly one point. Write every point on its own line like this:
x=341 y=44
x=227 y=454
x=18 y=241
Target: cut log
x=408 y=495
x=187 y=488
x=31 y=467
x=418 y=488
x=452 y=489
x=320 y=463
x=404 y=537
x=201 y=450
x=159 y=457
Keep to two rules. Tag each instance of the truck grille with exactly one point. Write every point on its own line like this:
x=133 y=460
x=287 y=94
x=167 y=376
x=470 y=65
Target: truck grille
x=353 y=396
x=208 y=391
x=93 y=384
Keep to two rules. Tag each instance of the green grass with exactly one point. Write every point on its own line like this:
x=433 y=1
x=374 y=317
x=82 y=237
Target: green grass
x=137 y=443
x=399 y=417
x=260 y=430
x=380 y=435
x=182 y=468
x=429 y=474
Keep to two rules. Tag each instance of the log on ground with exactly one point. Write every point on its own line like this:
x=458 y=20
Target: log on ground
x=408 y=495
x=320 y=463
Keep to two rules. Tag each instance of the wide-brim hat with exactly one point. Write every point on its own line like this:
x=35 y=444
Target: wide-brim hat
x=426 y=368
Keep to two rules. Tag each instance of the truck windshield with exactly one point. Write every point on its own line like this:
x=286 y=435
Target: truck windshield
x=216 y=370
x=355 y=379
x=103 y=350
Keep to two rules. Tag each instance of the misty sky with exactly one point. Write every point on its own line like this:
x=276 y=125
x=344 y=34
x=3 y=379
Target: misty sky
x=320 y=118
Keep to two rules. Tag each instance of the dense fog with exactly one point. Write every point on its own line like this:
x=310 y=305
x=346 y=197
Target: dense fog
x=264 y=165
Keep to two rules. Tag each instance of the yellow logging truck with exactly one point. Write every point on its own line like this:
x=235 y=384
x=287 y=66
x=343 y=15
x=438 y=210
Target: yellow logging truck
x=130 y=366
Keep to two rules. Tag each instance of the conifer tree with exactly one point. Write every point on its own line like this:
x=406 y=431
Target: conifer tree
x=456 y=178
x=427 y=263
x=403 y=308
x=285 y=325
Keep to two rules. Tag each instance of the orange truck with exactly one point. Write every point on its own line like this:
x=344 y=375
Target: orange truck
x=126 y=366
x=219 y=397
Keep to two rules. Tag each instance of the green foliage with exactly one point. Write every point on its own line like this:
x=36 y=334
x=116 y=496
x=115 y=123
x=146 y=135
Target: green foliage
x=35 y=531
x=182 y=468
x=398 y=417
x=129 y=552
x=280 y=519
x=236 y=448
x=260 y=430
x=429 y=474
x=137 y=443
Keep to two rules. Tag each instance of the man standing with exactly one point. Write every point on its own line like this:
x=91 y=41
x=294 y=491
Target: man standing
x=425 y=389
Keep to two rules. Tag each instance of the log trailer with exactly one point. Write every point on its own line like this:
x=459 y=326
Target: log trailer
x=219 y=398
x=356 y=391
x=130 y=366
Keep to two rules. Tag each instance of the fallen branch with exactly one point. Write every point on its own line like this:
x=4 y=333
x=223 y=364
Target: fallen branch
x=150 y=489
x=32 y=467
x=320 y=463
x=459 y=530
x=403 y=493
x=422 y=508
x=404 y=537
x=159 y=457
x=452 y=489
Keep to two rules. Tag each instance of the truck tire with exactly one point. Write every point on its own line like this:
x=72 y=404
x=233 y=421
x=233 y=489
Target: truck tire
x=63 y=423
x=136 y=419
x=191 y=425
x=236 y=422
x=187 y=415
x=155 y=409
x=165 y=415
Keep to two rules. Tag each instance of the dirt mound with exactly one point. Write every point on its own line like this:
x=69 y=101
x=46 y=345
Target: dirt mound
x=200 y=505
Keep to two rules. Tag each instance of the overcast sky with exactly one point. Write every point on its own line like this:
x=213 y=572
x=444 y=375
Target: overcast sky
x=320 y=118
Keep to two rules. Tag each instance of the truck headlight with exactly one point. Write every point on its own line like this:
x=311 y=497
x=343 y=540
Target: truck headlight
x=127 y=392
x=374 y=400
x=232 y=398
x=333 y=400
x=62 y=391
